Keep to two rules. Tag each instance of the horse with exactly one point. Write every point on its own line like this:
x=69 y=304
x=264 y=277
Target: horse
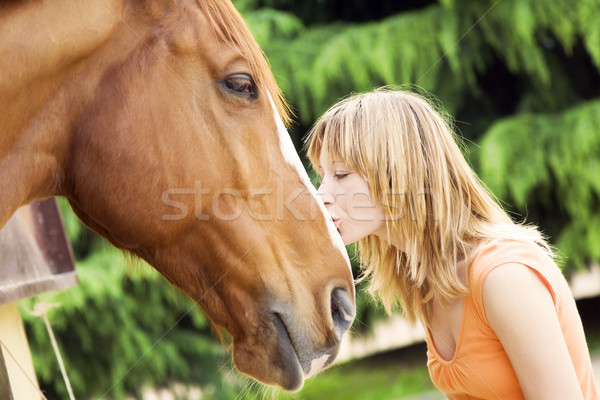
x=161 y=123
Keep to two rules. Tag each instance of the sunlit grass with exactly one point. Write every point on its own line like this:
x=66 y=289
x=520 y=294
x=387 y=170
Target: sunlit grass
x=396 y=376
x=360 y=383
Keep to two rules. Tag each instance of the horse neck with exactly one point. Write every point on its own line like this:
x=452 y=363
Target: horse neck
x=50 y=64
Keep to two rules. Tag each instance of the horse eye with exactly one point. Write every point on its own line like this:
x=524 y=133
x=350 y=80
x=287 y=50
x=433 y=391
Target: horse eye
x=241 y=85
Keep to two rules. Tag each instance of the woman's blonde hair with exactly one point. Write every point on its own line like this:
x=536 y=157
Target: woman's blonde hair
x=434 y=203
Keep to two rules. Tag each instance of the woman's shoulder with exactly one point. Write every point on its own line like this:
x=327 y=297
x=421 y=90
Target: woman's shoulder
x=518 y=259
x=495 y=252
x=511 y=265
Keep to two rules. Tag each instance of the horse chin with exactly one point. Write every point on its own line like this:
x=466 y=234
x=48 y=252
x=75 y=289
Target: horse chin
x=310 y=362
x=294 y=371
x=279 y=367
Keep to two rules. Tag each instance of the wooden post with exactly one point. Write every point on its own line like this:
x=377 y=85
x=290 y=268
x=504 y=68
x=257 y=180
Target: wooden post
x=17 y=376
x=35 y=257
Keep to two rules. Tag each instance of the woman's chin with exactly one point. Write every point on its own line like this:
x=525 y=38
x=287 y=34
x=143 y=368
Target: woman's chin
x=348 y=240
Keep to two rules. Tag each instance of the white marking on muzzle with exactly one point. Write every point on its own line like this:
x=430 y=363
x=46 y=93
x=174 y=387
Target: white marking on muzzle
x=291 y=156
x=317 y=365
x=345 y=315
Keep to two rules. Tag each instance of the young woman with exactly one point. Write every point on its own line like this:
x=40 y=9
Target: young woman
x=499 y=317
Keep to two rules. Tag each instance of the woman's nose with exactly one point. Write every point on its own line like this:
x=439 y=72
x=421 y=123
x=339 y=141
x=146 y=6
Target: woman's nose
x=325 y=194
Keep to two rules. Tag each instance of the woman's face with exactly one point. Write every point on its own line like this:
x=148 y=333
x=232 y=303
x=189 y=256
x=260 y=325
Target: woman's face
x=346 y=195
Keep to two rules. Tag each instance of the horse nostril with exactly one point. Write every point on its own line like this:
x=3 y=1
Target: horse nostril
x=342 y=311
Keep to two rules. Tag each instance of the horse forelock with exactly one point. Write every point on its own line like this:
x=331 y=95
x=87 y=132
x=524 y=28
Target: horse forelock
x=231 y=28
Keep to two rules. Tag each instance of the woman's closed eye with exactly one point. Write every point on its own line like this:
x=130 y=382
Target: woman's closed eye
x=341 y=175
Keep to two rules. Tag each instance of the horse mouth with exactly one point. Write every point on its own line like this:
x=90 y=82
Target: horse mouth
x=292 y=368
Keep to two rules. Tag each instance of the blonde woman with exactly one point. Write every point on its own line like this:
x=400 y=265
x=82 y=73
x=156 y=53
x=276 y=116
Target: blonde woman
x=499 y=316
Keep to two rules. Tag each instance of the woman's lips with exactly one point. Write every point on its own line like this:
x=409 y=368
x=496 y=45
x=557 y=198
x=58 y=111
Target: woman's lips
x=336 y=222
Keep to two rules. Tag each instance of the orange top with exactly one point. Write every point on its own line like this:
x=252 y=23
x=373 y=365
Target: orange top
x=480 y=368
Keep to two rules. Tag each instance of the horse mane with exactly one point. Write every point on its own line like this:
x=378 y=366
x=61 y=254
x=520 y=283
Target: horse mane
x=231 y=28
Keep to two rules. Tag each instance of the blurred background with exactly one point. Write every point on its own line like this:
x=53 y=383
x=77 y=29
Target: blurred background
x=522 y=80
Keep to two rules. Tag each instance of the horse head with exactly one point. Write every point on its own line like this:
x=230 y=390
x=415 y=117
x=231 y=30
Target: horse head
x=177 y=153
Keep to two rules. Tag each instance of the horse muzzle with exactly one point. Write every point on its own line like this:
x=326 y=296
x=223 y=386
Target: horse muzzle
x=305 y=357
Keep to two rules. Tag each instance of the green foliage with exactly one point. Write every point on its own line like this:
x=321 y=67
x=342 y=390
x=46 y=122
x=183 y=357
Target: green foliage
x=267 y=24
x=442 y=48
x=550 y=164
x=340 y=58
x=317 y=12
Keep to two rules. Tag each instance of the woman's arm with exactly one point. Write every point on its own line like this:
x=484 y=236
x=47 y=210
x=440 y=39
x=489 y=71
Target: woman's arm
x=519 y=308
